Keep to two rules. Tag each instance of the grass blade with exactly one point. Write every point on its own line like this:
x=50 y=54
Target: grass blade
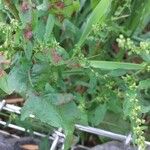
x=139 y=17
x=49 y=27
x=97 y=16
x=109 y=65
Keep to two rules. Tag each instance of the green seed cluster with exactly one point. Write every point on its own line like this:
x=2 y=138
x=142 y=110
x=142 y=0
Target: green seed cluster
x=137 y=122
x=41 y=46
x=8 y=31
x=135 y=113
x=99 y=32
x=97 y=28
x=145 y=46
x=128 y=44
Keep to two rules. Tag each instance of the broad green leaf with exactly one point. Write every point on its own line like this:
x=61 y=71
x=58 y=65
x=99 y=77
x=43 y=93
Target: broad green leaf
x=39 y=30
x=117 y=72
x=146 y=57
x=69 y=26
x=66 y=7
x=12 y=8
x=71 y=7
x=44 y=6
x=92 y=84
x=144 y=84
x=114 y=104
x=115 y=122
x=63 y=116
x=59 y=98
x=28 y=48
x=94 y=3
x=42 y=109
x=110 y=65
x=18 y=78
x=4 y=84
x=25 y=17
x=62 y=52
x=70 y=31
x=97 y=116
x=70 y=115
x=42 y=57
x=49 y=27
x=96 y=16
x=139 y=16
x=145 y=109
x=144 y=19
x=44 y=143
x=49 y=89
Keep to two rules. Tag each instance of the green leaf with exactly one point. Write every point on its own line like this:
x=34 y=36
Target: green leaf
x=4 y=84
x=117 y=72
x=44 y=143
x=44 y=6
x=114 y=105
x=12 y=8
x=97 y=15
x=146 y=57
x=139 y=16
x=71 y=8
x=69 y=138
x=49 y=27
x=39 y=30
x=25 y=17
x=94 y=3
x=69 y=113
x=28 y=50
x=92 y=84
x=115 y=122
x=110 y=65
x=145 y=109
x=59 y=98
x=42 y=57
x=144 y=84
x=70 y=31
x=97 y=116
x=18 y=78
x=42 y=109
x=63 y=116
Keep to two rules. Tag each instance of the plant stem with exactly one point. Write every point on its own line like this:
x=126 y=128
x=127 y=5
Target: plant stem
x=12 y=8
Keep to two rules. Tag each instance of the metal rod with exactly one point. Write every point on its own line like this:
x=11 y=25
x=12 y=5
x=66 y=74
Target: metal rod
x=2 y=104
x=88 y=129
x=8 y=134
x=55 y=142
x=23 y=130
x=104 y=133
x=101 y=132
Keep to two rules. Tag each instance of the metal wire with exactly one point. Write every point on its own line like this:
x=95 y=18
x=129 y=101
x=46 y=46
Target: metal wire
x=2 y=104
x=24 y=130
x=88 y=129
x=101 y=132
x=55 y=142
x=8 y=134
x=104 y=133
x=128 y=139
